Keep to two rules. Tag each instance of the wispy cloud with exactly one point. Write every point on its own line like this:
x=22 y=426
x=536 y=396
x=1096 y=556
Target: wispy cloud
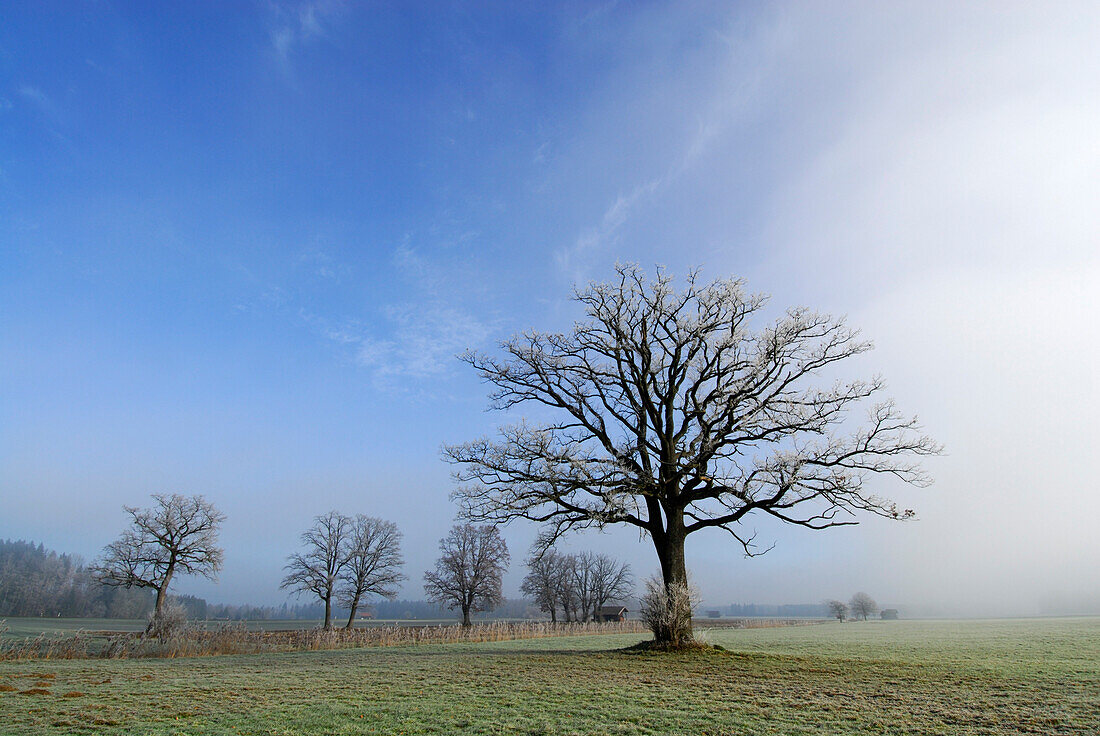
x=40 y=101
x=416 y=338
x=700 y=121
x=570 y=259
x=425 y=338
x=323 y=265
x=425 y=335
x=293 y=26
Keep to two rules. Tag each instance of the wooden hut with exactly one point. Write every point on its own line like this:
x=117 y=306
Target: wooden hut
x=607 y=614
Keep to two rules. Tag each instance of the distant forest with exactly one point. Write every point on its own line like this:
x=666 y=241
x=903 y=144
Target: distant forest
x=35 y=581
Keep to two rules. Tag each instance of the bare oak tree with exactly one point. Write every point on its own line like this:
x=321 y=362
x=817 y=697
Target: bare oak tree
x=580 y=583
x=544 y=581
x=177 y=536
x=675 y=416
x=373 y=563
x=837 y=609
x=862 y=606
x=317 y=569
x=469 y=573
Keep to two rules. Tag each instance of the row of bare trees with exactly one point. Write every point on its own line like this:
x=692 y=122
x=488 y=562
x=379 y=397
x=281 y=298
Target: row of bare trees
x=347 y=558
x=578 y=585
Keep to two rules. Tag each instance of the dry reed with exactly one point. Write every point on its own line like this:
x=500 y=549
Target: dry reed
x=192 y=641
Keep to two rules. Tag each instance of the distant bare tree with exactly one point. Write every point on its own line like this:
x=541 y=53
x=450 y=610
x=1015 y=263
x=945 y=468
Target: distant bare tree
x=567 y=593
x=544 y=581
x=610 y=581
x=580 y=581
x=837 y=609
x=468 y=575
x=317 y=569
x=177 y=536
x=373 y=562
x=671 y=413
x=862 y=606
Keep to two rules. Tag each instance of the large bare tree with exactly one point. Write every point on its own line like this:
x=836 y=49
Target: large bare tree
x=317 y=570
x=468 y=575
x=674 y=415
x=178 y=535
x=373 y=562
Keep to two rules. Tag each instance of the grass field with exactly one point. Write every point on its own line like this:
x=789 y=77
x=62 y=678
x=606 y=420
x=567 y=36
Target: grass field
x=905 y=677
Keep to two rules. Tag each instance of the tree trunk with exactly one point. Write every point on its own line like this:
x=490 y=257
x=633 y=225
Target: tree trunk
x=162 y=599
x=354 y=608
x=466 y=616
x=328 y=613
x=553 y=614
x=158 y=609
x=676 y=629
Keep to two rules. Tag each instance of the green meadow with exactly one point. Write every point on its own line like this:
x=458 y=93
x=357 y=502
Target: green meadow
x=1039 y=676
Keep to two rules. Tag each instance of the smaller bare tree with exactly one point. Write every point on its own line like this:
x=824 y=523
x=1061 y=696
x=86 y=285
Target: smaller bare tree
x=177 y=536
x=373 y=562
x=862 y=606
x=544 y=581
x=837 y=609
x=566 y=589
x=468 y=575
x=580 y=573
x=317 y=569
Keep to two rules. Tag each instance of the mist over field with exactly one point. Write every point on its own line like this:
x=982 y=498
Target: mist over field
x=240 y=249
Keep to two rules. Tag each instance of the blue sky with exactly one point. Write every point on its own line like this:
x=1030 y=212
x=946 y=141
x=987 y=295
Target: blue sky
x=240 y=245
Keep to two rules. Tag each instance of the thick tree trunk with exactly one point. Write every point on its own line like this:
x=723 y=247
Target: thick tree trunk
x=553 y=615
x=162 y=599
x=328 y=613
x=158 y=610
x=466 y=616
x=676 y=629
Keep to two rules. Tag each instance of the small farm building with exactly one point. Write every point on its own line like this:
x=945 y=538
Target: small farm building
x=611 y=613
x=890 y=614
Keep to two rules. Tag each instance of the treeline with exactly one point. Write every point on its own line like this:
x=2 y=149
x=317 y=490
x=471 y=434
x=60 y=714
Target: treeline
x=35 y=581
x=793 y=610
x=197 y=608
